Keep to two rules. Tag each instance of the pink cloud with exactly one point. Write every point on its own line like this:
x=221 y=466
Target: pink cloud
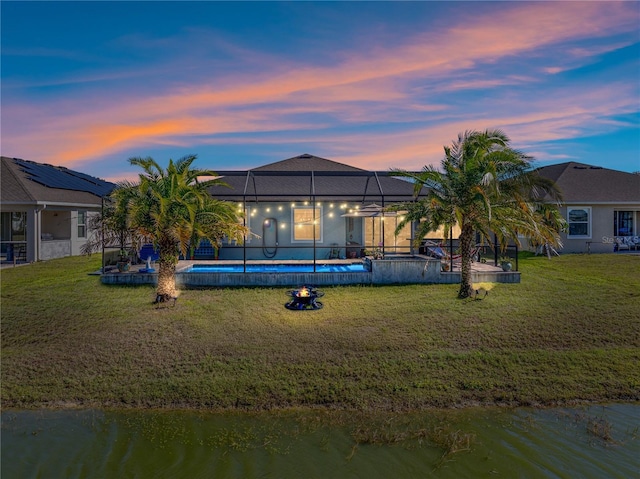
x=363 y=87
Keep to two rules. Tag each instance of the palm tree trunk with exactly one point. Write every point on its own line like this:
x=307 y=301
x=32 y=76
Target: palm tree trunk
x=166 y=279
x=466 y=239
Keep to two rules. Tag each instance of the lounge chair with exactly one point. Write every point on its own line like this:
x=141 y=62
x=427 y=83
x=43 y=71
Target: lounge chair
x=437 y=251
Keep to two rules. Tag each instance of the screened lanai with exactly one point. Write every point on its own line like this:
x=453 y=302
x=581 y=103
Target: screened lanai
x=314 y=209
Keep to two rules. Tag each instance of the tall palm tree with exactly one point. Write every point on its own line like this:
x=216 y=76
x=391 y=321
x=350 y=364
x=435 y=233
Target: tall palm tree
x=173 y=209
x=484 y=186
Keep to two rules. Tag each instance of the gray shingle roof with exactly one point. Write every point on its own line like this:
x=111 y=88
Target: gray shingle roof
x=303 y=176
x=581 y=183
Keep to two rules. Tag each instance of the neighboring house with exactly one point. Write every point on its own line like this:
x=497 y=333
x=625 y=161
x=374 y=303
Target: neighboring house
x=600 y=206
x=308 y=207
x=44 y=209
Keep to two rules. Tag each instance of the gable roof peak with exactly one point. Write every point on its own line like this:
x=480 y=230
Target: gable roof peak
x=306 y=162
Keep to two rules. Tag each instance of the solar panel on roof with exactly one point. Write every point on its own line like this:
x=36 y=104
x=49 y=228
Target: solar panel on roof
x=103 y=186
x=64 y=179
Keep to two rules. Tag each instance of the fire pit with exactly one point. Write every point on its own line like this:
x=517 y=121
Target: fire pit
x=304 y=298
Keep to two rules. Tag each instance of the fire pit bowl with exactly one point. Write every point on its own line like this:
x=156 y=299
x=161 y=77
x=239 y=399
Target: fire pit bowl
x=305 y=298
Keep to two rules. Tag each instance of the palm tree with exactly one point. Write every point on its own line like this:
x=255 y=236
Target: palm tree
x=485 y=187
x=548 y=222
x=111 y=226
x=173 y=209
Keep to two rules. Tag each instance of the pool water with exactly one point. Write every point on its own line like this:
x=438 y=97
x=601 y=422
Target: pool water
x=277 y=268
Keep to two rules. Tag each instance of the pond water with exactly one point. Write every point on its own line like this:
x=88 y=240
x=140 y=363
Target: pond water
x=276 y=268
x=590 y=442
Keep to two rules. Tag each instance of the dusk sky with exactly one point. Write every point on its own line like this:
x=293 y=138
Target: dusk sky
x=375 y=85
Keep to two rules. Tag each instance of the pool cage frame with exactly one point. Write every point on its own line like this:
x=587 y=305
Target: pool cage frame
x=398 y=191
x=372 y=191
x=379 y=188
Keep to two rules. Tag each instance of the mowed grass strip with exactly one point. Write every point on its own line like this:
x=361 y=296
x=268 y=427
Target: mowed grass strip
x=570 y=332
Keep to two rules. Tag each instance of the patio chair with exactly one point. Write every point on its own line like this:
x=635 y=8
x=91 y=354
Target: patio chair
x=621 y=244
x=147 y=251
x=334 y=253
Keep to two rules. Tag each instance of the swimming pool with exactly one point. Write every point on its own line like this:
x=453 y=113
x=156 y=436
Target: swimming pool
x=276 y=268
x=397 y=270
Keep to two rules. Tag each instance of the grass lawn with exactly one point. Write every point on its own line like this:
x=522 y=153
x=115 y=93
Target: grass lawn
x=569 y=332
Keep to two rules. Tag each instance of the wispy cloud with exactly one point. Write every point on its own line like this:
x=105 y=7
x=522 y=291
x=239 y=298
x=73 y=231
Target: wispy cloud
x=413 y=84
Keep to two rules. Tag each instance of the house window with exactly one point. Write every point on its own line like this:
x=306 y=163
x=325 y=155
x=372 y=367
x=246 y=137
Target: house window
x=306 y=220
x=623 y=223
x=579 y=220
x=13 y=226
x=379 y=230
x=82 y=224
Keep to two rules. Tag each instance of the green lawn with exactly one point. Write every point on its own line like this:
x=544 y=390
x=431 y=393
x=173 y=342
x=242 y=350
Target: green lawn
x=569 y=332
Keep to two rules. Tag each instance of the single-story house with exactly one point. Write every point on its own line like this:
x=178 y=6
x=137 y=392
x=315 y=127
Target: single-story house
x=601 y=206
x=44 y=209
x=313 y=208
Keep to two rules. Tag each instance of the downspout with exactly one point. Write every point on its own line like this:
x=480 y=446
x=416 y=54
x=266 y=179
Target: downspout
x=38 y=232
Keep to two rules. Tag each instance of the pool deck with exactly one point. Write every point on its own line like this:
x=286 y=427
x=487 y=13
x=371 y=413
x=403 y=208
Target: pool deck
x=399 y=270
